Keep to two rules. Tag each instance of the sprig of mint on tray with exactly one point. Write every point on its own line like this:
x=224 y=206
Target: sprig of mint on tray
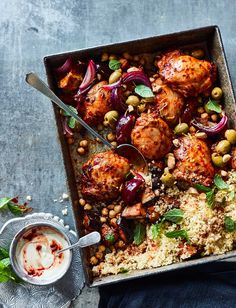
x=213 y=106
x=13 y=206
x=6 y=272
x=70 y=120
x=219 y=184
x=114 y=64
x=143 y=91
x=139 y=233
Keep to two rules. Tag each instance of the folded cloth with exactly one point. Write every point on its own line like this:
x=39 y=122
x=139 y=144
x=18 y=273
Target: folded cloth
x=211 y=285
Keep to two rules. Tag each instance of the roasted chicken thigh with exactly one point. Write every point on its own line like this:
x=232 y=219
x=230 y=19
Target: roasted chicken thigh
x=185 y=74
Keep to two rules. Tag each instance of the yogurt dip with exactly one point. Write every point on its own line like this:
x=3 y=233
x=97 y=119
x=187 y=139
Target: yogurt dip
x=35 y=254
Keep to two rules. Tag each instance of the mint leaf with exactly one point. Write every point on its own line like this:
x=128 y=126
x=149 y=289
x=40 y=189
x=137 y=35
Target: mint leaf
x=114 y=64
x=178 y=233
x=6 y=262
x=123 y=270
x=231 y=196
x=202 y=188
x=230 y=225
x=156 y=230
x=139 y=233
x=66 y=114
x=143 y=91
x=3 y=202
x=213 y=106
x=3 y=253
x=71 y=122
x=175 y=215
x=220 y=183
x=15 y=209
x=110 y=237
x=210 y=196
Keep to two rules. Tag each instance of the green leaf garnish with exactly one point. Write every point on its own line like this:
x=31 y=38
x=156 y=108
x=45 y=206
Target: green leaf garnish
x=220 y=183
x=71 y=122
x=139 y=233
x=213 y=106
x=3 y=253
x=110 y=237
x=123 y=270
x=66 y=114
x=156 y=230
x=13 y=207
x=202 y=188
x=114 y=64
x=6 y=272
x=210 y=196
x=175 y=215
x=178 y=233
x=230 y=225
x=143 y=91
x=231 y=196
x=3 y=202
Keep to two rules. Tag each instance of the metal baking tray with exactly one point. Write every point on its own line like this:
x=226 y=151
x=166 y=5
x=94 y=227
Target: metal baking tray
x=208 y=38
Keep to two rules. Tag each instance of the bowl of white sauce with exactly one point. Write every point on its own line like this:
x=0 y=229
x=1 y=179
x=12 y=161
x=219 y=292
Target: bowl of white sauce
x=33 y=253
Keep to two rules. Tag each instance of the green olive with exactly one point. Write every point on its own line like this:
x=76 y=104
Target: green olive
x=217 y=160
x=181 y=128
x=111 y=118
x=223 y=147
x=133 y=100
x=216 y=93
x=115 y=76
x=230 y=135
x=197 y=53
x=167 y=179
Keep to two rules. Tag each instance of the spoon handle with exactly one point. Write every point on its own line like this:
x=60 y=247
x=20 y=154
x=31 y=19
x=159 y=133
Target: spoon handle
x=87 y=240
x=33 y=80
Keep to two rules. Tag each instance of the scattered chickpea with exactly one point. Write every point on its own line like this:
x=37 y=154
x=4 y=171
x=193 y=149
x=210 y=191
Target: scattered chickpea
x=200 y=110
x=82 y=202
x=104 y=211
x=70 y=140
x=112 y=214
x=111 y=207
x=118 y=208
x=93 y=260
x=99 y=255
x=81 y=151
x=176 y=143
x=132 y=69
x=193 y=191
x=192 y=129
x=88 y=207
x=223 y=173
x=202 y=196
x=204 y=115
x=226 y=158
x=83 y=143
x=114 y=143
x=103 y=219
x=100 y=127
x=101 y=248
x=120 y=244
x=111 y=137
x=171 y=161
x=201 y=135
x=104 y=57
x=98 y=140
x=214 y=117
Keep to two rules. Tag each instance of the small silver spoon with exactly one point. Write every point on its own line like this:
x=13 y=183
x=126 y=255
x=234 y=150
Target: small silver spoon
x=127 y=150
x=87 y=240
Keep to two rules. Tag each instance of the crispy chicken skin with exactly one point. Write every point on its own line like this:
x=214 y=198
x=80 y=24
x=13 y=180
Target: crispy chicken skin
x=167 y=103
x=194 y=162
x=152 y=136
x=103 y=174
x=185 y=74
x=97 y=103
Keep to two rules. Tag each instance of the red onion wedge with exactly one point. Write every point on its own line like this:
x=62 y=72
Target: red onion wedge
x=112 y=86
x=137 y=77
x=66 y=128
x=211 y=130
x=89 y=77
x=116 y=101
x=66 y=67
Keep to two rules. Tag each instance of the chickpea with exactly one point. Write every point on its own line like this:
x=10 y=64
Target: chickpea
x=111 y=207
x=93 y=260
x=216 y=93
x=120 y=244
x=88 y=207
x=118 y=208
x=217 y=160
x=81 y=151
x=167 y=179
x=111 y=118
x=100 y=127
x=181 y=128
x=115 y=76
x=103 y=219
x=101 y=248
x=170 y=161
x=223 y=173
x=230 y=135
x=99 y=255
x=82 y=202
x=104 y=57
x=133 y=100
x=70 y=140
x=226 y=158
x=214 y=117
x=204 y=116
x=104 y=211
x=114 y=144
x=83 y=143
x=111 y=137
x=223 y=147
x=200 y=110
x=112 y=214
x=197 y=53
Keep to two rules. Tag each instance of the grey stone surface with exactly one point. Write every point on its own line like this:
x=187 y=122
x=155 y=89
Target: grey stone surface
x=30 y=158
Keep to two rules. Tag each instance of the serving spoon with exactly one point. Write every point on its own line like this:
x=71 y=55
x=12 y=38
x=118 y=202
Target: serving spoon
x=129 y=151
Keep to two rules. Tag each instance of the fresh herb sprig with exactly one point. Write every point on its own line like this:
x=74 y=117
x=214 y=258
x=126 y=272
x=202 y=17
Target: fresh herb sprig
x=139 y=233
x=230 y=225
x=143 y=91
x=6 y=272
x=114 y=64
x=213 y=106
x=70 y=120
x=178 y=233
x=13 y=206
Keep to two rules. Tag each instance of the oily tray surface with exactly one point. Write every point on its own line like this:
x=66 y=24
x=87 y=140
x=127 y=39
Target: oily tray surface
x=171 y=97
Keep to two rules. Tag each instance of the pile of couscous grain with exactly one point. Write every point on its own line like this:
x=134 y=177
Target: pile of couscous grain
x=204 y=226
